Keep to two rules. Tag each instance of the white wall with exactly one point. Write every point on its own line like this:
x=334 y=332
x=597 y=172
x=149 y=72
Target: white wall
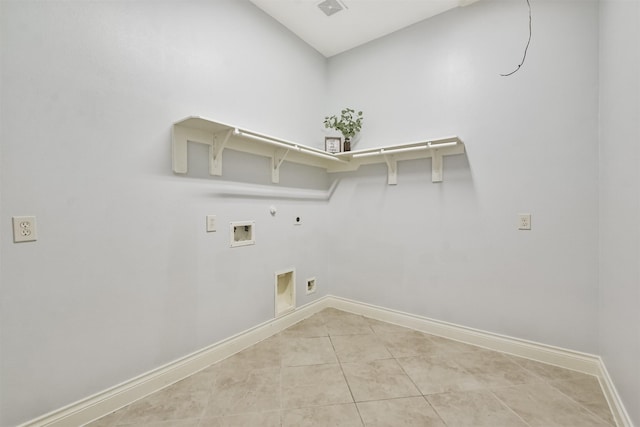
x=451 y=251
x=620 y=197
x=123 y=277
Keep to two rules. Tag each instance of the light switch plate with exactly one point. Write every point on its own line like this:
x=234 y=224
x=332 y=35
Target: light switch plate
x=211 y=223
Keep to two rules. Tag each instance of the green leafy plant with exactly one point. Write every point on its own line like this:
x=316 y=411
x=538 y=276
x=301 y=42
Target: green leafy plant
x=348 y=124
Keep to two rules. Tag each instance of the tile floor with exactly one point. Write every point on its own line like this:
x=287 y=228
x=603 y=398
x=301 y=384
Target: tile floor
x=341 y=369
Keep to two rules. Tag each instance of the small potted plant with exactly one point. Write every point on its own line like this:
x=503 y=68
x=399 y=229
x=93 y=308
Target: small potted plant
x=348 y=124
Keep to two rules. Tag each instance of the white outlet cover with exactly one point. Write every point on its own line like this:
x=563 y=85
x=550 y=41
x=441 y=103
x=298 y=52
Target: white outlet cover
x=524 y=221
x=24 y=229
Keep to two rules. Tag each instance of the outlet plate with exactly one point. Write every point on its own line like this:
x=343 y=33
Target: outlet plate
x=524 y=221
x=24 y=229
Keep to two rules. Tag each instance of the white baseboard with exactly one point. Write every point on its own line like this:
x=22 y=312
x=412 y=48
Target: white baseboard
x=105 y=402
x=611 y=393
x=568 y=359
x=121 y=395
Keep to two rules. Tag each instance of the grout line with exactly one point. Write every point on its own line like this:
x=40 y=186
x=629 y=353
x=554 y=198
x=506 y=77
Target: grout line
x=581 y=405
x=345 y=379
x=434 y=410
x=507 y=406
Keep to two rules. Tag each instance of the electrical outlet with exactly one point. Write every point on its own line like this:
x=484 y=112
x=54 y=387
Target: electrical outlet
x=311 y=285
x=24 y=229
x=211 y=223
x=297 y=220
x=524 y=221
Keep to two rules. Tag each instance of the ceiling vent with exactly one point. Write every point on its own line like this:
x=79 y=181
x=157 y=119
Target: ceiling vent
x=329 y=7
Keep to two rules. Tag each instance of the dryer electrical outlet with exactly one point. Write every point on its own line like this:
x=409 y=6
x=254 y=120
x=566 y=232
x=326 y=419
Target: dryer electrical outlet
x=24 y=229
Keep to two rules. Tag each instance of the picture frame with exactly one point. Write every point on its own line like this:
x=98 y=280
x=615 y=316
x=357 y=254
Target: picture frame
x=333 y=144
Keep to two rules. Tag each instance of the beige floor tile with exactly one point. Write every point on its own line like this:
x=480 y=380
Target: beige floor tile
x=378 y=380
x=546 y=371
x=587 y=392
x=255 y=390
x=438 y=374
x=314 y=385
x=541 y=405
x=408 y=343
x=359 y=348
x=385 y=328
x=308 y=328
x=493 y=369
x=265 y=354
x=294 y=379
x=345 y=324
x=447 y=346
x=478 y=408
x=335 y=415
x=409 y=411
x=179 y=401
x=255 y=419
x=308 y=351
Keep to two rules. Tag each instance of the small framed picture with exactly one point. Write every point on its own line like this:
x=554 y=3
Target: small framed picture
x=332 y=144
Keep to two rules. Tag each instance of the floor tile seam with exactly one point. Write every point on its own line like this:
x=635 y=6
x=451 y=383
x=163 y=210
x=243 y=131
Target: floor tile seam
x=435 y=410
x=553 y=384
x=581 y=406
x=481 y=385
x=346 y=381
x=466 y=371
x=589 y=411
x=485 y=377
x=508 y=407
x=408 y=376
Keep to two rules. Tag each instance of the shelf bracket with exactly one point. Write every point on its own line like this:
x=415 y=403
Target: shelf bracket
x=220 y=140
x=179 y=143
x=276 y=161
x=392 y=169
x=436 y=166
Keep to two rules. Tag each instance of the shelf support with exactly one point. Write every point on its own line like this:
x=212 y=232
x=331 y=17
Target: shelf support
x=392 y=169
x=436 y=166
x=179 y=148
x=276 y=161
x=220 y=140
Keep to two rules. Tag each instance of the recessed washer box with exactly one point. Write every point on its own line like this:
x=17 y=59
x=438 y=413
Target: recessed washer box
x=285 y=291
x=243 y=233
